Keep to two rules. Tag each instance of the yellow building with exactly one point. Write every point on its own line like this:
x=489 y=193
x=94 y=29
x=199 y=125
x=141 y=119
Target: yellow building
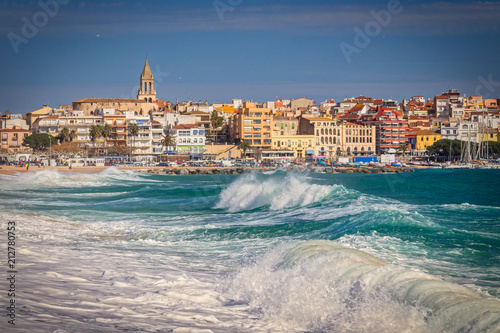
x=253 y=124
x=426 y=138
x=358 y=139
x=490 y=134
x=33 y=115
x=300 y=144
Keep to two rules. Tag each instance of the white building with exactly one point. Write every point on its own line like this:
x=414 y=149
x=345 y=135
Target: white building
x=189 y=139
x=174 y=119
x=143 y=141
x=449 y=130
x=467 y=131
x=78 y=122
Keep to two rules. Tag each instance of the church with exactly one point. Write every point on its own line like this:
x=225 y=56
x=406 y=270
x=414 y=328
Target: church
x=146 y=99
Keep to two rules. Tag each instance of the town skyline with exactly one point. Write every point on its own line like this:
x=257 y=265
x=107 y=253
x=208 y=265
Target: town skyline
x=259 y=51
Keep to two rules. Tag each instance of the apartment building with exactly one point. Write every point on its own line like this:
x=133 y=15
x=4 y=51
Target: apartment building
x=142 y=142
x=189 y=138
x=327 y=132
x=358 y=139
x=254 y=125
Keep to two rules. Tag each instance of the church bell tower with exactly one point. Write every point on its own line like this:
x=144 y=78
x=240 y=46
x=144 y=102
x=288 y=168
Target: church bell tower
x=147 y=91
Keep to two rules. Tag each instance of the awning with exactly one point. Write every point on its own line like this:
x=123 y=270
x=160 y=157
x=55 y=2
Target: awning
x=309 y=151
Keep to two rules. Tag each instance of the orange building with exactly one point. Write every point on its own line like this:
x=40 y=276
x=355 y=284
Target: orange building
x=254 y=125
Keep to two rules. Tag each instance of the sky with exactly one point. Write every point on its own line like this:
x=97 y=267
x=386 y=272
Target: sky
x=58 y=51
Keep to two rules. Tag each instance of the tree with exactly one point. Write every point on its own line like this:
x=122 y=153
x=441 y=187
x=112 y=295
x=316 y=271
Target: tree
x=121 y=150
x=244 y=146
x=39 y=141
x=63 y=135
x=216 y=122
x=133 y=129
x=167 y=141
x=72 y=135
x=403 y=149
x=442 y=147
x=66 y=149
x=95 y=133
x=4 y=153
x=106 y=132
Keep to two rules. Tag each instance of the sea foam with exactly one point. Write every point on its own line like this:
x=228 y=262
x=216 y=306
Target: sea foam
x=322 y=286
x=253 y=191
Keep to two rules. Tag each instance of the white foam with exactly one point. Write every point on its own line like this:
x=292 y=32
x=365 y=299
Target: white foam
x=253 y=191
x=320 y=286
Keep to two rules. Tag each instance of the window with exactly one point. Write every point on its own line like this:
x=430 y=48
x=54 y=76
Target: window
x=293 y=125
x=281 y=125
x=248 y=121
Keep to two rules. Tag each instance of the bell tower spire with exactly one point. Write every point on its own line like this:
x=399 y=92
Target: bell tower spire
x=146 y=90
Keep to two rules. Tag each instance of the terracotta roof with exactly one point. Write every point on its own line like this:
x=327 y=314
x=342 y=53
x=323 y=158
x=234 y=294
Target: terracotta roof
x=350 y=116
x=357 y=107
x=426 y=132
x=110 y=100
x=186 y=126
x=14 y=130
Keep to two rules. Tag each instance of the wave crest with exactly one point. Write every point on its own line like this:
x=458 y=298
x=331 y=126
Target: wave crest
x=253 y=191
x=322 y=286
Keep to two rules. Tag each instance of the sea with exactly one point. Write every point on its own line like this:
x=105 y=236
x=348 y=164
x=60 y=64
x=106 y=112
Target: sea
x=279 y=251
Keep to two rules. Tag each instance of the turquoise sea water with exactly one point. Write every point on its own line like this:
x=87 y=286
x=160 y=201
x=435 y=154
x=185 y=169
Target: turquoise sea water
x=272 y=252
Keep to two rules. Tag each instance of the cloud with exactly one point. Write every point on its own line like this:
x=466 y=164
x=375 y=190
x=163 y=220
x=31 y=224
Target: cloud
x=119 y=17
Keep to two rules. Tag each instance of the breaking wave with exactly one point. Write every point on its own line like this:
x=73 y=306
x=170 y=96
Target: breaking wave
x=253 y=191
x=321 y=286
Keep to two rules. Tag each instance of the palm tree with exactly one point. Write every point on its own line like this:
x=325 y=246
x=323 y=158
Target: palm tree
x=72 y=135
x=95 y=133
x=64 y=135
x=106 y=132
x=167 y=141
x=244 y=146
x=403 y=149
x=133 y=129
x=216 y=122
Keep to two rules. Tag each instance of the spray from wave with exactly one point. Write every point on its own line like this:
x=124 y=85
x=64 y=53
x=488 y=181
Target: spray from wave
x=321 y=286
x=254 y=190
x=51 y=177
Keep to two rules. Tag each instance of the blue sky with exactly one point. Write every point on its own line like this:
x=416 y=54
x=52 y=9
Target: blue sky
x=256 y=50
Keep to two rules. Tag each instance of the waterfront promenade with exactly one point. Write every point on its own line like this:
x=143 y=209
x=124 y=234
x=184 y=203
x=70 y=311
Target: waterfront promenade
x=12 y=170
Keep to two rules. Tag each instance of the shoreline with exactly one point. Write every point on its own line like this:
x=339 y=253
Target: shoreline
x=12 y=170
